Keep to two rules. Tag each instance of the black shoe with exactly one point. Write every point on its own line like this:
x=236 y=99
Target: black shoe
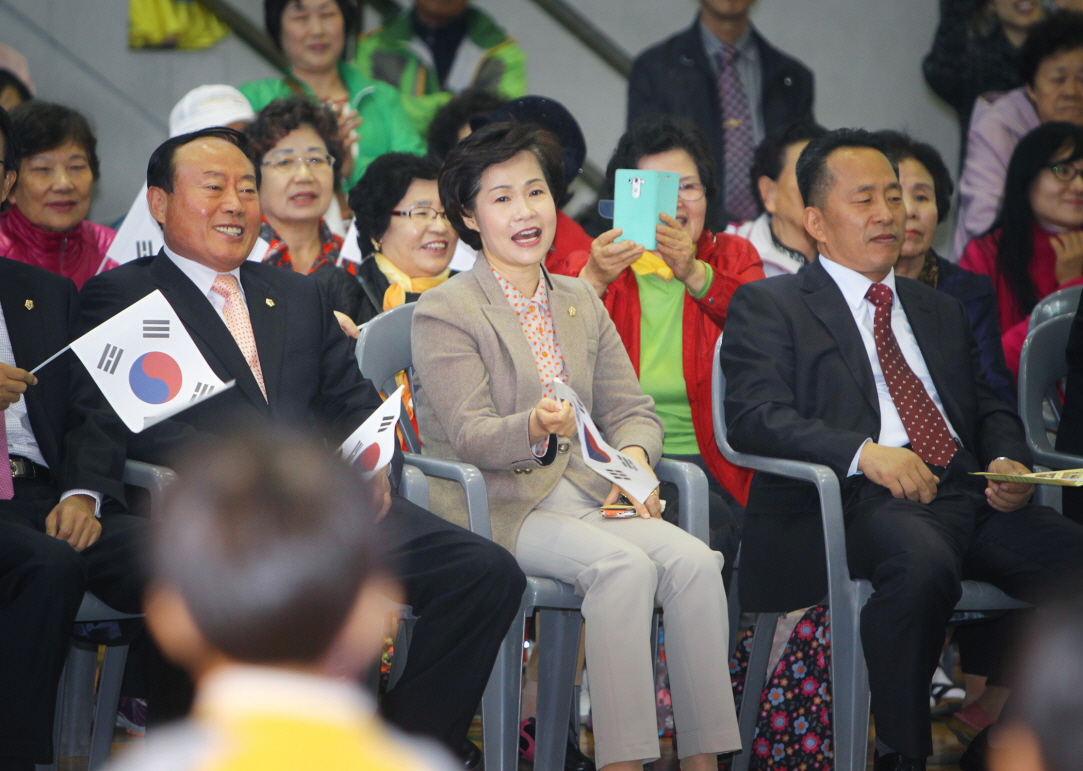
x=470 y=755
x=896 y=761
x=575 y=760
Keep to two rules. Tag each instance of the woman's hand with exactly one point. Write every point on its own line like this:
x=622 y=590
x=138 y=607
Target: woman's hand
x=608 y=259
x=652 y=507
x=348 y=124
x=678 y=250
x=1069 y=250
x=347 y=325
x=551 y=417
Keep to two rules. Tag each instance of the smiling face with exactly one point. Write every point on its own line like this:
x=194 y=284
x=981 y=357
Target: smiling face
x=1058 y=87
x=1058 y=205
x=419 y=248
x=313 y=35
x=296 y=194
x=515 y=213
x=860 y=222
x=1018 y=14
x=54 y=187
x=213 y=214
x=691 y=214
x=919 y=197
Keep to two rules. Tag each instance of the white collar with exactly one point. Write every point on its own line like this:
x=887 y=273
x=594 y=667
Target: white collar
x=200 y=275
x=246 y=689
x=854 y=285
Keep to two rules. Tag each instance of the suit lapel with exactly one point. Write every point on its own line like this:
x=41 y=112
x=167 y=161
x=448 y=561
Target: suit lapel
x=23 y=332
x=825 y=300
x=925 y=324
x=571 y=335
x=509 y=332
x=267 y=310
x=206 y=327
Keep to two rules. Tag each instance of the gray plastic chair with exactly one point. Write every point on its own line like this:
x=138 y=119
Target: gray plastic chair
x=1056 y=304
x=1041 y=365
x=845 y=597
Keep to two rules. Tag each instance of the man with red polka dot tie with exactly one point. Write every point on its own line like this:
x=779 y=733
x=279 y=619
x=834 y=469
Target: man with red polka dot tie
x=878 y=377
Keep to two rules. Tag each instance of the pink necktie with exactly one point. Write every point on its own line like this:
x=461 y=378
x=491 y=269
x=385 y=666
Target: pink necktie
x=928 y=432
x=737 y=132
x=7 y=484
x=240 y=326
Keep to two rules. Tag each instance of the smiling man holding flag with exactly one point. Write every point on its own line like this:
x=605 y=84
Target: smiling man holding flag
x=274 y=333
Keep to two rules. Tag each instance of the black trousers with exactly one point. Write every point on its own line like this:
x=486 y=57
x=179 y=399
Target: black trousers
x=915 y=555
x=42 y=580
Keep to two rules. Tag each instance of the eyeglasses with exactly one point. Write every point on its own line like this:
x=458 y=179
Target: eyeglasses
x=1065 y=172
x=289 y=164
x=691 y=191
x=424 y=214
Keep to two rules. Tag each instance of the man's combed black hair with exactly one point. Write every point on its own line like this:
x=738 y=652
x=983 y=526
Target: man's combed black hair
x=162 y=170
x=771 y=154
x=902 y=147
x=1060 y=32
x=813 y=177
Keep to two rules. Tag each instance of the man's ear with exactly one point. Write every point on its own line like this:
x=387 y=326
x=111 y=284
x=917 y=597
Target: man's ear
x=814 y=224
x=768 y=193
x=158 y=201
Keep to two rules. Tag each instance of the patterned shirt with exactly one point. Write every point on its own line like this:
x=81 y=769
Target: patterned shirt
x=278 y=253
x=536 y=319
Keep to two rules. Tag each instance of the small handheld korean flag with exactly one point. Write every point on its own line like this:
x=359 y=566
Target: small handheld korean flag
x=610 y=463
x=146 y=364
x=372 y=445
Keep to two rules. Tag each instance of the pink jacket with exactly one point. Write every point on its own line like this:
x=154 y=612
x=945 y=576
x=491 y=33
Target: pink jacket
x=998 y=123
x=78 y=254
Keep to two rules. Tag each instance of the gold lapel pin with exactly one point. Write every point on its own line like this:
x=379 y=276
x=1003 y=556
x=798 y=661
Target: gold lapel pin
x=571 y=310
x=29 y=305
x=270 y=303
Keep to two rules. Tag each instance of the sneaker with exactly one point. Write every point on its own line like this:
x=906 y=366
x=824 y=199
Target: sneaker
x=132 y=715
x=944 y=696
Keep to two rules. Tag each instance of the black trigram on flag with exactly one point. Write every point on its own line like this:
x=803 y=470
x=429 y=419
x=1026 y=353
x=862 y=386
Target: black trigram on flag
x=155 y=327
x=201 y=390
x=110 y=359
x=617 y=473
x=144 y=248
x=389 y=420
x=628 y=462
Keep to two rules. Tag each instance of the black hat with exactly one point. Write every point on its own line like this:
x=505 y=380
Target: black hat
x=550 y=115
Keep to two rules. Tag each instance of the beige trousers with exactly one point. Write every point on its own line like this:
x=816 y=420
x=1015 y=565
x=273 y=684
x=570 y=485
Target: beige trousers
x=622 y=568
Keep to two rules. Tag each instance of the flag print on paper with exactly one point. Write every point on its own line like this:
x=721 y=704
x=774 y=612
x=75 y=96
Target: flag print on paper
x=146 y=364
x=372 y=445
x=610 y=463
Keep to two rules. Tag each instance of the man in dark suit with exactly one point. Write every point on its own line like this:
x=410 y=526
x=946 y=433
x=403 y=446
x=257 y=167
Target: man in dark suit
x=60 y=494
x=687 y=75
x=878 y=377
x=274 y=331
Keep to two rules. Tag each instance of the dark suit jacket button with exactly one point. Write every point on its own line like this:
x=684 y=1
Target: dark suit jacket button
x=787 y=80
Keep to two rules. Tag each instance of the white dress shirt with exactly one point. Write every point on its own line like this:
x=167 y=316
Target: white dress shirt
x=21 y=440
x=854 y=286
x=203 y=277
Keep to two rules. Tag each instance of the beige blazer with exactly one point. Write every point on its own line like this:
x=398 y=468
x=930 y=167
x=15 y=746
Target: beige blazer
x=475 y=383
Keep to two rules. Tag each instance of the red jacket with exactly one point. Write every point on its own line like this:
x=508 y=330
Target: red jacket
x=734 y=262
x=980 y=256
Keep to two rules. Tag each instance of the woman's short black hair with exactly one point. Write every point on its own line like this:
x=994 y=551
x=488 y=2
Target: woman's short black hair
x=11 y=144
x=770 y=156
x=653 y=134
x=496 y=143
x=161 y=169
x=813 y=176
x=282 y=116
x=902 y=147
x=444 y=130
x=1016 y=217
x=43 y=126
x=380 y=188
x=1059 y=32
x=9 y=79
x=273 y=10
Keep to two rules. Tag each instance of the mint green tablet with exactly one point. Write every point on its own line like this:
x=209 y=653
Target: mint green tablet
x=639 y=197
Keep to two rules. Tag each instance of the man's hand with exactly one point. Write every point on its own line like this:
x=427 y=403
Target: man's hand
x=899 y=470
x=13 y=384
x=678 y=250
x=608 y=259
x=551 y=417
x=1008 y=496
x=652 y=507
x=73 y=520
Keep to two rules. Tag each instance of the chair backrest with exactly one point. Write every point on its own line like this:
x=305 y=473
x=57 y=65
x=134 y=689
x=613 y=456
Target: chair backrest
x=383 y=350
x=718 y=402
x=1042 y=364
x=1056 y=304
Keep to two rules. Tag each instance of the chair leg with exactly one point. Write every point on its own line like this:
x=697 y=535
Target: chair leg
x=77 y=710
x=850 y=685
x=755 y=679
x=500 y=703
x=558 y=648
x=733 y=601
x=105 y=712
x=58 y=713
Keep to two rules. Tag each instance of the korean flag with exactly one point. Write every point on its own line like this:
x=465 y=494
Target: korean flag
x=372 y=445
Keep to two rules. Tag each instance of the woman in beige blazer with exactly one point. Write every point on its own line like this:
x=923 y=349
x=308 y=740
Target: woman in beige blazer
x=487 y=346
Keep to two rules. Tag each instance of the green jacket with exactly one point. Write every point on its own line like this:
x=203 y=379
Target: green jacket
x=487 y=59
x=385 y=127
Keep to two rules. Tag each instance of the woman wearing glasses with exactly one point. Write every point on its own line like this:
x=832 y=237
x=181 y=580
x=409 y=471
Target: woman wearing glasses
x=670 y=305
x=1035 y=246
x=404 y=235
x=295 y=142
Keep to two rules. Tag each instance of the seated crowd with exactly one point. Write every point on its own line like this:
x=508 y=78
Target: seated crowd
x=283 y=215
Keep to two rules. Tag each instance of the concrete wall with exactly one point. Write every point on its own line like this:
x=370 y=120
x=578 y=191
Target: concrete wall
x=866 y=55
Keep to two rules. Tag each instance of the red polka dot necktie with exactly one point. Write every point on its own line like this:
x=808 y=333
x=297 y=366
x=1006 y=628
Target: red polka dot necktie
x=240 y=326
x=924 y=425
x=7 y=484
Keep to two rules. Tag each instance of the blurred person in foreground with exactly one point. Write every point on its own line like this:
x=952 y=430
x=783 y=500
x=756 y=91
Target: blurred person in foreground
x=270 y=585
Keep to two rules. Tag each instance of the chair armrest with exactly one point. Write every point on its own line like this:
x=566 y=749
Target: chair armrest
x=472 y=482
x=154 y=479
x=1052 y=458
x=414 y=486
x=693 y=516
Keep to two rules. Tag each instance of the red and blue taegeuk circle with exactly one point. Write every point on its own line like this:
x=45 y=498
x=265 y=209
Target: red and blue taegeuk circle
x=155 y=377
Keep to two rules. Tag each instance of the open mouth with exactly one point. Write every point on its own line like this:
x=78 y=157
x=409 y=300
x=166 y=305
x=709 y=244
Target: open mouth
x=435 y=246
x=528 y=237
x=303 y=198
x=234 y=231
